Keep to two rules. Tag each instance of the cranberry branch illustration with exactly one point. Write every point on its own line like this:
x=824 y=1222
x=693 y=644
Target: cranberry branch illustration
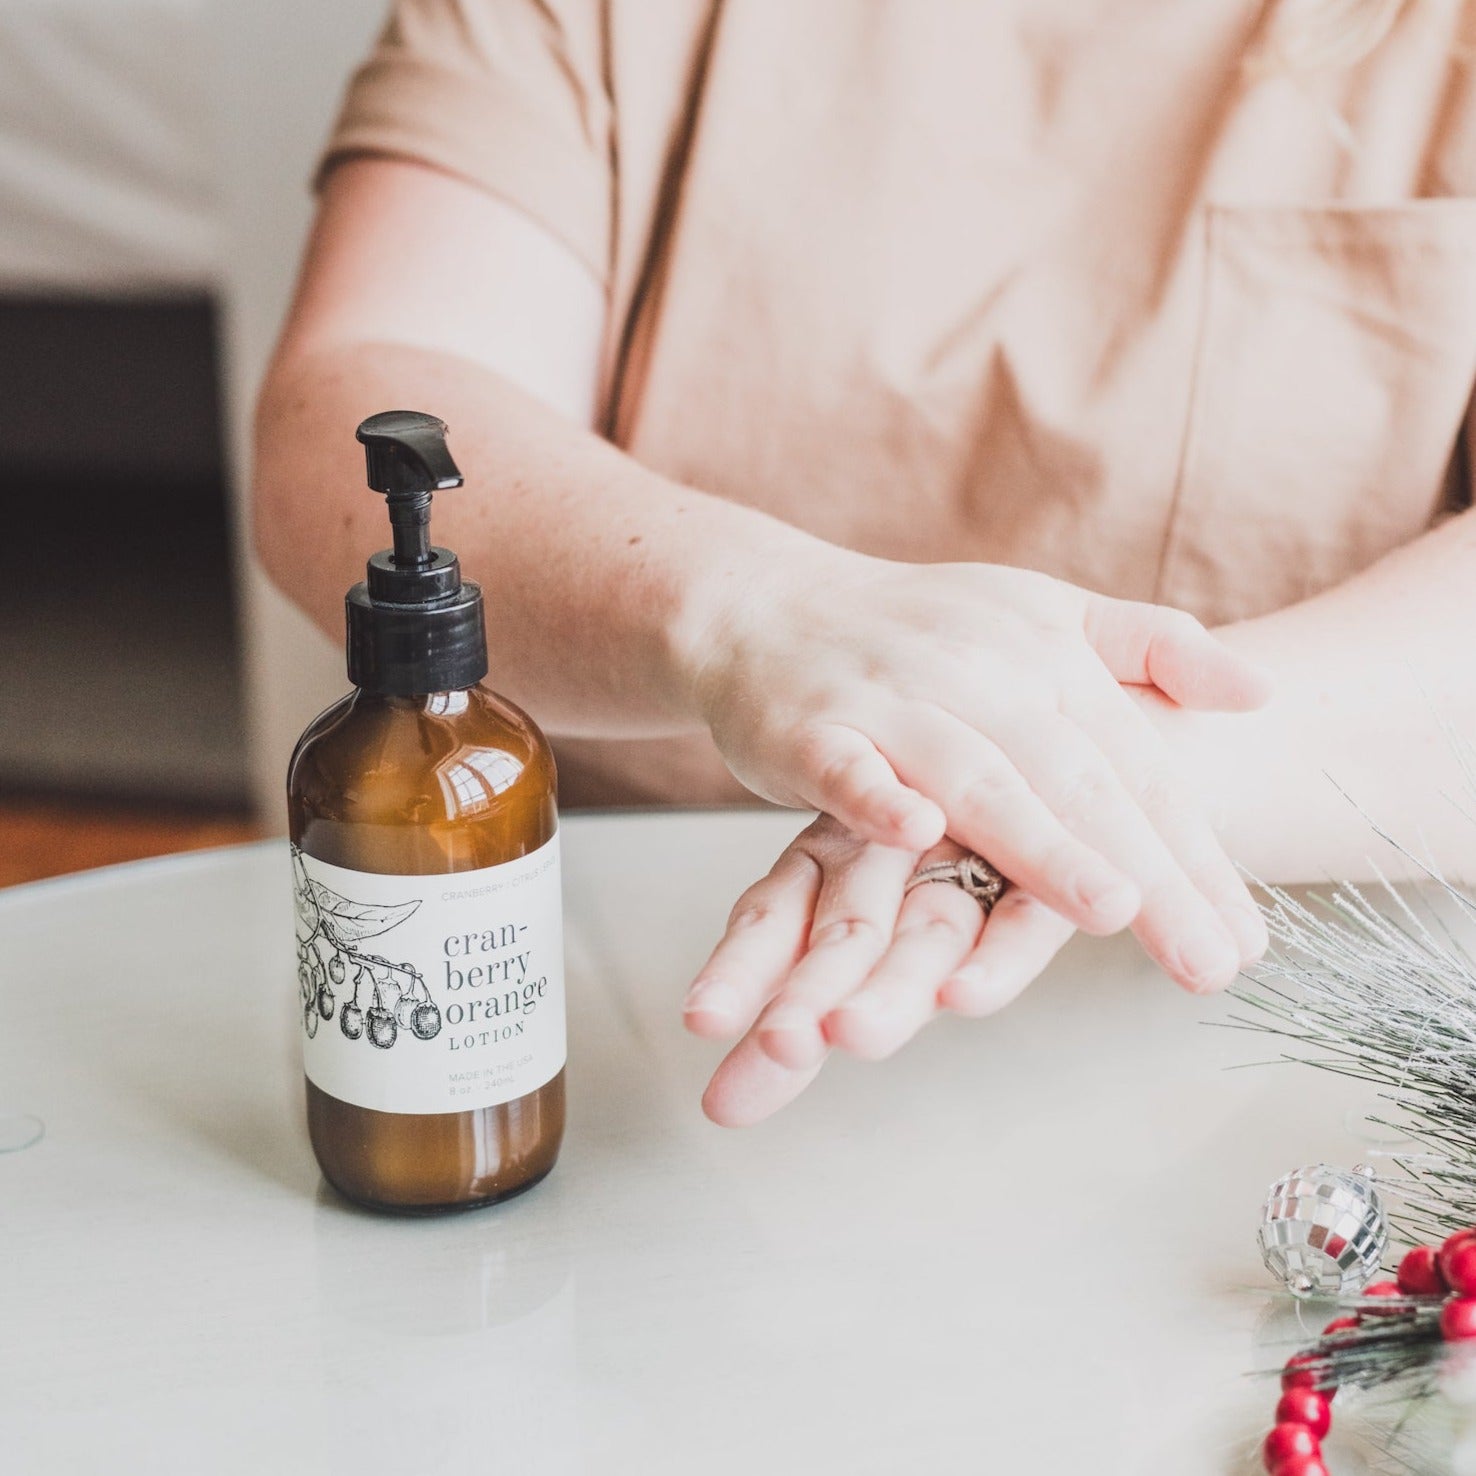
x=330 y=930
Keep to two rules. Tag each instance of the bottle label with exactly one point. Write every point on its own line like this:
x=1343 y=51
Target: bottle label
x=436 y=993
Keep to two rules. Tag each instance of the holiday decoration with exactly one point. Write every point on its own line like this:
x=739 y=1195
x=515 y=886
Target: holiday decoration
x=1390 y=998
x=1323 y=1231
x=1384 y=994
x=1386 y=1336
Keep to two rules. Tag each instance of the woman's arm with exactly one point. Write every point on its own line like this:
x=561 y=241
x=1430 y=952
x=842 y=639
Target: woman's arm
x=421 y=292
x=1374 y=678
x=900 y=699
x=1375 y=691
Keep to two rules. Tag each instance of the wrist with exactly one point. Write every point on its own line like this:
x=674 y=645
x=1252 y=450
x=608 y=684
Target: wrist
x=724 y=602
x=1219 y=753
x=1202 y=748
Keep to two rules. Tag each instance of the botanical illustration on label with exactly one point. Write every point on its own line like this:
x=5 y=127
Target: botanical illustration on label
x=426 y=994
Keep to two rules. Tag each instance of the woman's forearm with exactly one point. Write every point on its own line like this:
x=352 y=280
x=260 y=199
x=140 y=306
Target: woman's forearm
x=1372 y=679
x=599 y=575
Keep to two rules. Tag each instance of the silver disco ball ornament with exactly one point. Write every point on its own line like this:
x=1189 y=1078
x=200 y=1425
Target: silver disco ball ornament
x=1323 y=1231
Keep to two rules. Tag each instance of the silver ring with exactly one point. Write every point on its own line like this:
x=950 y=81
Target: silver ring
x=971 y=873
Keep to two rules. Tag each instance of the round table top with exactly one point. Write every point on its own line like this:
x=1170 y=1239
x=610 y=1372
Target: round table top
x=1024 y=1244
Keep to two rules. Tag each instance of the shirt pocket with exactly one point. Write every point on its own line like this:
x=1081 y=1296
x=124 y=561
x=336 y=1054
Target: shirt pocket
x=1334 y=365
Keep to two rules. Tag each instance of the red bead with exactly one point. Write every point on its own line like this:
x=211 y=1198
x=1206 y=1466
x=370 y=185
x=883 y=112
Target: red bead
x=1459 y=1268
x=1420 y=1274
x=1302 y=1466
x=1305 y=1407
x=1299 y=1372
x=1458 y=1320
x=1286 y=1443
x=1339 y=1324
x=1452 y=1244
x=1378 y=1291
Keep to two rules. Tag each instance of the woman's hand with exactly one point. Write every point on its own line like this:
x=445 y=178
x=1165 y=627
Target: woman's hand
x=827 y=951
x=988 y=703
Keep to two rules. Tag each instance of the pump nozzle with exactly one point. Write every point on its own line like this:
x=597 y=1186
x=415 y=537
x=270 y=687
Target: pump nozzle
x=407 y=458
x=414 y=625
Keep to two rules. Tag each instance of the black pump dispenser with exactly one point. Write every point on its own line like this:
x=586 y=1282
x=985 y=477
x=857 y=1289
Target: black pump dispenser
x=414 y=626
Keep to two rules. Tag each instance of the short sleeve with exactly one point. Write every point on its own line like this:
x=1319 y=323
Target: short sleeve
x=509 y=94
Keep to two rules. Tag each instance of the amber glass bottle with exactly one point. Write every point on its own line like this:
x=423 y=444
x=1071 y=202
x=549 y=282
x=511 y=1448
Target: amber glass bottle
x=425 y=860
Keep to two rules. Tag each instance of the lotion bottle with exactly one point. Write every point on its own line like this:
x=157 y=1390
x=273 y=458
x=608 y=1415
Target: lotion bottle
x=425 y=863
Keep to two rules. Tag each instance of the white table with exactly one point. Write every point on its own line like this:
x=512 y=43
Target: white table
x=1024 y=1245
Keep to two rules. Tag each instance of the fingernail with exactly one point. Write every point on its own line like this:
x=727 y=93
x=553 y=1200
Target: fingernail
x=1209 y=960
x=864 y=1004
x=1248 y=928
x=711 y=997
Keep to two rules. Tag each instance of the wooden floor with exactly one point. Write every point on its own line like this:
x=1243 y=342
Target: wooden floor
x=48 y=837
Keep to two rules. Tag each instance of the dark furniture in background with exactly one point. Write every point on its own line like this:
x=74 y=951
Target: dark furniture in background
x=119 y=667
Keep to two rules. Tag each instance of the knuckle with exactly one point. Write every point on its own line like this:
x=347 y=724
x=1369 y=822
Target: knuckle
x=843 y=930
x=817 y=846
x=750 y=912
x=795 y=874
x=817 y=832
x=823 y=748
x=1162 y=792
x=1083 y=793
x=942 y=923
x=1174 y=626
x=985 y=791
x=843 y=776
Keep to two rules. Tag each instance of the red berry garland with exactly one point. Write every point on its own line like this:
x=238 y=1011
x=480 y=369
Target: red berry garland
x=1305 y=1407
x=1287 y=1443
x=1459 y=1268
x=1381 y=1289
x=1420 y=1274
x=1299 y=1373
x=1447 y=1252
x=1458 y=1320
x=1427 y=1275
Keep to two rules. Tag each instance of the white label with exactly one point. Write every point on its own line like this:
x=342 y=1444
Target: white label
x=431 y=993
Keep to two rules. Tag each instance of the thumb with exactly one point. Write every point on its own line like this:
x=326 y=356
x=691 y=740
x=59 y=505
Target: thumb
x=1157 y=646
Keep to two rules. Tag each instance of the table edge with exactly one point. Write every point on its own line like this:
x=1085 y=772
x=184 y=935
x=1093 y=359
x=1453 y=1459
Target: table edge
x=181 y=860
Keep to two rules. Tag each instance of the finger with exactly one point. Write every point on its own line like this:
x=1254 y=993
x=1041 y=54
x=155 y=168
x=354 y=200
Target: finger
x=994 y=811
x=855 y=914
x=765 y=937
x=1176 y=925
x=1138 y=753
x=1155 y=645
x=1021 y=937
x=749 y=1085
x=842 y=774
x=936 y=928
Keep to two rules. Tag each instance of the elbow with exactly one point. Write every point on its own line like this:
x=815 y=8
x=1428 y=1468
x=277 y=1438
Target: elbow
x=268 y=534
x=279 y=535
x=302 y=517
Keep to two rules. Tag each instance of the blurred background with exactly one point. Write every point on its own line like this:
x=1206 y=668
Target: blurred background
x=154 y=159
